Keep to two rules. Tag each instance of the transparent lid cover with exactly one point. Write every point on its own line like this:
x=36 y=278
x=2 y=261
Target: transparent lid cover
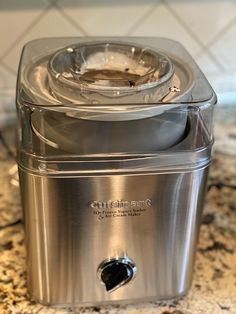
x=111 y=75
x=130 y=100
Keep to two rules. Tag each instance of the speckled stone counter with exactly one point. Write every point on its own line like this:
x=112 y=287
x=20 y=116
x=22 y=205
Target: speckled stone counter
x=214 y=286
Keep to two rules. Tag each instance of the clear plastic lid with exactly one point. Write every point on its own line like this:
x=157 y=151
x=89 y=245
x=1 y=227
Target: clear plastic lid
x=100 y=97
x=110 y=71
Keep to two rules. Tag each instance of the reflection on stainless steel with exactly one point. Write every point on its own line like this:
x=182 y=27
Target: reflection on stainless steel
x=114 y=145
x=67 y=241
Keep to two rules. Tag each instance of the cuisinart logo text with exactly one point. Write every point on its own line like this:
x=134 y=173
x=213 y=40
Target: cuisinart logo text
x=120 y=204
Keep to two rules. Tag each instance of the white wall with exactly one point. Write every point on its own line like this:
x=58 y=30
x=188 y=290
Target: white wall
x=206 y=28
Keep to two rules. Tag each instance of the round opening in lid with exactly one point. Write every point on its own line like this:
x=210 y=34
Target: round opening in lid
x=119 y=67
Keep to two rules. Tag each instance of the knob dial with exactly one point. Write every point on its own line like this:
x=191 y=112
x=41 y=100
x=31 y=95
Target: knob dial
x=115 y=273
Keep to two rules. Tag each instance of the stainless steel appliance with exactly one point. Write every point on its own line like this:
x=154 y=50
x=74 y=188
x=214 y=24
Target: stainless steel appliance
x=114 y=145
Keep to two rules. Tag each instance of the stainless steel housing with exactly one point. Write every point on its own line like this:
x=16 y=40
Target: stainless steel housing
x=70 y=230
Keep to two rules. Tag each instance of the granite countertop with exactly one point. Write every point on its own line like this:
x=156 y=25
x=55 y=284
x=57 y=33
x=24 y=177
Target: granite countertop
x=214 y=286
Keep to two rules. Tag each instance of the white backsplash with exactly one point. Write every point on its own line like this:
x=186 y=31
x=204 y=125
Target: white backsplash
x=206 y=28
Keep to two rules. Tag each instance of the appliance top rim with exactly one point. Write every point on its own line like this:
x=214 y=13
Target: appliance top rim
x=197 y=89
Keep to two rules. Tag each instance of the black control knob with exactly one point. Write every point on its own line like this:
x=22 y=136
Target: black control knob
x=116 y=272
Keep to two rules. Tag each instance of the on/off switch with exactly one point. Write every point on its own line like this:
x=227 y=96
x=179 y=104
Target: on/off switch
x=115 y=273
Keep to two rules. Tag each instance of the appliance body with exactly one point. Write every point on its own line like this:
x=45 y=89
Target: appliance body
x=69 y=233
x=112 y=177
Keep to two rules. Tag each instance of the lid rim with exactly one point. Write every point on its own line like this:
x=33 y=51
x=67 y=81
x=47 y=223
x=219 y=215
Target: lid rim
x=127 y=89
